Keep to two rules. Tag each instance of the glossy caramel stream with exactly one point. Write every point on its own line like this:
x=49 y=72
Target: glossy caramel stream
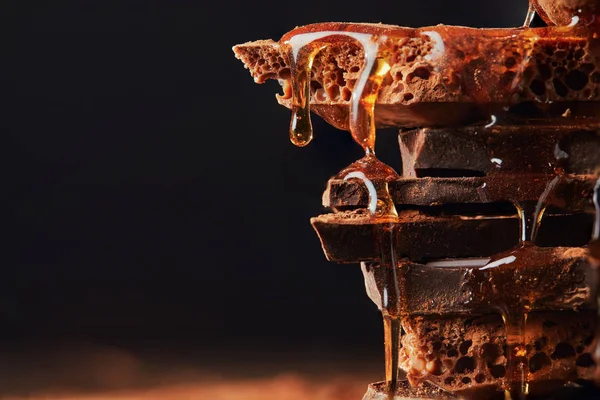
x=302 y=49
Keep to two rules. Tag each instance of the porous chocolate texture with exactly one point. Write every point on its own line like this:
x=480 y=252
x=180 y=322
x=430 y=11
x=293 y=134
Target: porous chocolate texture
x=562 y=12
x=541 y=70
x=461 y=353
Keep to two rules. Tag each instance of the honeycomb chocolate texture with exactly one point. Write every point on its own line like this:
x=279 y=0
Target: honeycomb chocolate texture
x=460 y=352
x=561 y=12
x=549 y=69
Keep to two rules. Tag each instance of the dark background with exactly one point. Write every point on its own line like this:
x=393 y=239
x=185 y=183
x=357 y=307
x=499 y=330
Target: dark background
x=152 y=194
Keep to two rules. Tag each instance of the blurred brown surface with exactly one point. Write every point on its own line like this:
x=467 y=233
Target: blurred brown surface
x=288 y=387
x=86 y=371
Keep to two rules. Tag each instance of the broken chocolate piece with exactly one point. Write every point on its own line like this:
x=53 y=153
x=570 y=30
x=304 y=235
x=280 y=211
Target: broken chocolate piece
x=444 y=75
x=573 y=194
x=470 y=350
x=351 y=238
x=477 y=150
x=567 y=12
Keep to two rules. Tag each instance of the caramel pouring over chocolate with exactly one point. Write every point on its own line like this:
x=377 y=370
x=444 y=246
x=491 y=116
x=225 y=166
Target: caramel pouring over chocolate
x=302 y=50
x=482 y=291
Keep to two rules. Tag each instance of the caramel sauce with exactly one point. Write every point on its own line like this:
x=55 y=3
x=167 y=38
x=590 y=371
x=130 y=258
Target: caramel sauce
x=472 y=73
x=376 y=175
x=530 y=16
x=302 y=48
x=508 y=282
x=594 y=259
x=596 y=200
x=394 y=288
x=301 y=60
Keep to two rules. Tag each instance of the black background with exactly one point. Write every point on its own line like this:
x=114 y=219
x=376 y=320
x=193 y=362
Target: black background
x=151 y=189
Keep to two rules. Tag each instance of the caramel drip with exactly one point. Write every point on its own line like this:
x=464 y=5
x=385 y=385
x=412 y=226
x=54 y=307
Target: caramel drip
x=362 y=117
x=517 y=373
x=530 y=215
x=392 y=309
x=506 y=283
x=301 y=60
x=375 y=175
x=515 y=311
x=515 y=319
x=529 y=17
x=596 y=199
x=302 y=49
x=595 y=262
x=385 y=289
x=392 y=330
